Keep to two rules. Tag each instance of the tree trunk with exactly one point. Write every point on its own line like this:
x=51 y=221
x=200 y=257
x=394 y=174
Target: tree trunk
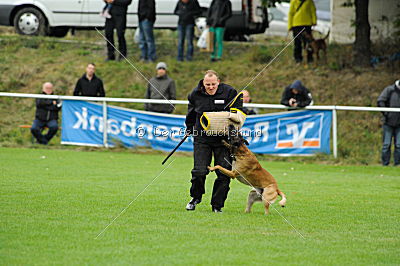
x=362 y=45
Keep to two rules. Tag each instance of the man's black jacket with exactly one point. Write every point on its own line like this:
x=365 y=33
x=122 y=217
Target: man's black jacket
x=120 y=7
x=46 y=110
x=86 y=87
x=187 y=12
x=390 y=97
x=147 y=10
x=218 y=13
x=200 y=101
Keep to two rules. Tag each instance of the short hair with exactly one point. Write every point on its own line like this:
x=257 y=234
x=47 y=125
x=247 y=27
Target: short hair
x=93 y=64
x=210 y=73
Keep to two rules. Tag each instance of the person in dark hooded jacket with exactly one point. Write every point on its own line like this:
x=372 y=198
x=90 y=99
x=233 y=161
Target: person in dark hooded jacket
x=296 y=95
x=46 y=116
x=218 y=13
x=390 y=97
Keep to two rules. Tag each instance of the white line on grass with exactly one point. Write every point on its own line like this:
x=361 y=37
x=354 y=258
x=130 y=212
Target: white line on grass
x=270 y=62
x=270 y=204
x=137 y=196
x=137 y=70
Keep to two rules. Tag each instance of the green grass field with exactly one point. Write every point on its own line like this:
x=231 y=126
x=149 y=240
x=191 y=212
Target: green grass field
x=55 y=202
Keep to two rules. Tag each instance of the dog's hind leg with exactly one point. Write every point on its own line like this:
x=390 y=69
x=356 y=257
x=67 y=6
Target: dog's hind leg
x=269 y=196
x=232 y=174
x=254 y=195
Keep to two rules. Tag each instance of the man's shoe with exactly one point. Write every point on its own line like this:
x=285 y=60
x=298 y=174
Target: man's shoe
x=216 y=209
x=191 y=206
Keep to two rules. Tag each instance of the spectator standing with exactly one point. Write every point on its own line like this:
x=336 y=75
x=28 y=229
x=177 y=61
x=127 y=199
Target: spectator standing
x=116 y=20
x=296 y=95
x=161 y=87
x=218 y=13
x=390 y=97
x=89 y=84
x=147 y=17
x=302 y=15
x=46 y=116
x=187 y=10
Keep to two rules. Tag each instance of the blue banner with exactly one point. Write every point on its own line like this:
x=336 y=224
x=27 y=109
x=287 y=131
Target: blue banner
x=303 y=132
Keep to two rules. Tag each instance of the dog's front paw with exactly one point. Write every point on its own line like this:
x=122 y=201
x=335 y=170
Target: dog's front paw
x=212 y=169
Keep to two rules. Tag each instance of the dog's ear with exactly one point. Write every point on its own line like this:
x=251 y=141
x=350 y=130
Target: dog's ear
x=246 y=142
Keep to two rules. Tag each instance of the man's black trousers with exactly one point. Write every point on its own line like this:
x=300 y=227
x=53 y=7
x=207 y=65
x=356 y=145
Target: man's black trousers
x=300 y=41
x=117 y=22
x=202 y=158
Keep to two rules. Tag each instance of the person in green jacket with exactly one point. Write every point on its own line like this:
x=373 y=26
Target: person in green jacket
x=218 y=13
x=302 y=15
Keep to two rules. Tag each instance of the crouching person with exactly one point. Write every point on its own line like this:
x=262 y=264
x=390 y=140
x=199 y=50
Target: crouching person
x=46 y=116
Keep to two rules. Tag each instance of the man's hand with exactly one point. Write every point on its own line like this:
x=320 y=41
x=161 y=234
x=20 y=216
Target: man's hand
x=292 y=102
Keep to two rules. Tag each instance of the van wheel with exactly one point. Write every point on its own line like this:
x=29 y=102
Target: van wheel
x=58 y=32
x=30 y=21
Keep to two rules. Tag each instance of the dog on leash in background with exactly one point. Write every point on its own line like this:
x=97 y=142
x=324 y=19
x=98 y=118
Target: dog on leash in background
x=316 y=45
x=247 y=170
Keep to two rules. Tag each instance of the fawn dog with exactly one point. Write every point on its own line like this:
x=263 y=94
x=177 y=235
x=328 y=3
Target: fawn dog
x=316 y=45
x=247 y=170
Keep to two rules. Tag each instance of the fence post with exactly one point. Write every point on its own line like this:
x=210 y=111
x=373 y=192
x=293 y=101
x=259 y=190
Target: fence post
x=105 y=144
x=334 y=131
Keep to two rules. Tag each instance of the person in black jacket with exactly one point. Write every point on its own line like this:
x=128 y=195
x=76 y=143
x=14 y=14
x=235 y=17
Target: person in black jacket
x=187 y=10
x=218 y=13
x=116 y=21
x=46 y=116
x=390 y=97
x=209 y=96
x=147 y=17
x=89 y=84
x=296 y=96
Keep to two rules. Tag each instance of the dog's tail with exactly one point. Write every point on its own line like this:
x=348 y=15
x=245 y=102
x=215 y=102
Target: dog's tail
x=327 y=35
x=283 y=200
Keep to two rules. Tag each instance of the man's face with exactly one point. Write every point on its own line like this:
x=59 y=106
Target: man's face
x=161 y=72
x=246 y=97
x=185 y=1
x=90 y=69
x=211 y=84
x=294 y=91
x=48 y=89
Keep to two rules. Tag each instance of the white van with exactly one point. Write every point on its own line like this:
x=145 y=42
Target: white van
x=56 y=17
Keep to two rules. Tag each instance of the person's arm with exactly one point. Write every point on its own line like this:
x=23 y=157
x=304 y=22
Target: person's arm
x=291 y=13
x=285 y=97
x=78 y=88
x=122 y=2
x=307 y=99
x=209 y=13
x=177 y=11
x=383 y=99
x=227 y=12
x=148 y=94
x=101 y=90
x=172 y=90
x=196 y=9
x=313 y=13
x=190 y=120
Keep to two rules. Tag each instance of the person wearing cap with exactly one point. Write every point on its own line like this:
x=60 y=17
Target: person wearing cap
x=161 y=87
x=390 y=97
x=210 y=95
x=296 y=96
x=46 y=116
